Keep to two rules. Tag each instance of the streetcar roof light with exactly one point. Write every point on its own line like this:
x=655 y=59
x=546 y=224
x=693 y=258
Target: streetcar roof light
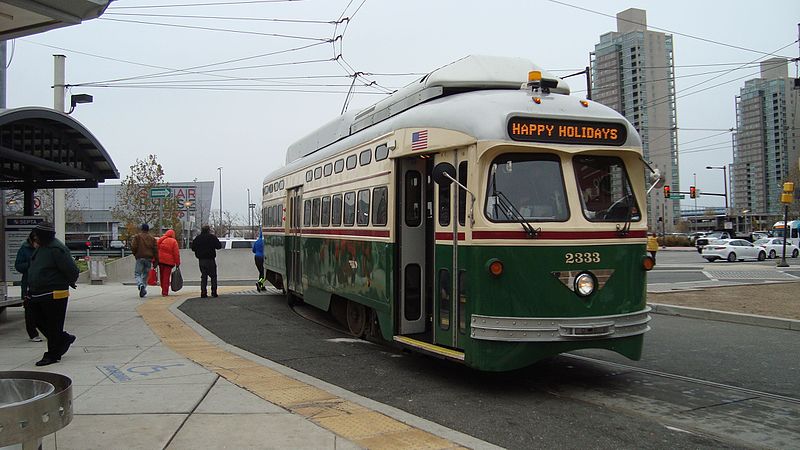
x=584 y=103
x=534 y=75
x=537 y=100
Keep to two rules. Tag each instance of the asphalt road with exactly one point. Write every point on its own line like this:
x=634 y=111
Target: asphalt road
x=566 y=401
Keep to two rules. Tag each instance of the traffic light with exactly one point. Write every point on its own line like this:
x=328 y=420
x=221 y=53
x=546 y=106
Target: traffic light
x=666 y=191
x=692 y=192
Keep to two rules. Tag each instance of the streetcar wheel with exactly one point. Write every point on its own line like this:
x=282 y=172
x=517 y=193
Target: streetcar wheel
x=731 y=257
x=356 y=318
x=794 y=253
x=291 y=299
x=772 y=254
x=762 y=256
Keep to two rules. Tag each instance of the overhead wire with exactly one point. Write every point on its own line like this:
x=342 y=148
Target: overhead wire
x=711 y=41
x=224 y=30
x=114 y=6
x=257 y=19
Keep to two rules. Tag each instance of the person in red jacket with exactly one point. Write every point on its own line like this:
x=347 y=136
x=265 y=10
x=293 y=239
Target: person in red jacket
x=169 y=256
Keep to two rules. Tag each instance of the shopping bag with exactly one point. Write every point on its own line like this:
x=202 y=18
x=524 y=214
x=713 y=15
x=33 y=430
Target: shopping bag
x=152 y=278
x=176 y=279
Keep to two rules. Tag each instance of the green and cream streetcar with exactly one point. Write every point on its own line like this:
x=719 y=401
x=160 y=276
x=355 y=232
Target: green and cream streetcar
x=473 y=215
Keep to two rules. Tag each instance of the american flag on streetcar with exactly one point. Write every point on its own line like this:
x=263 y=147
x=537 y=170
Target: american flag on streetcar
x=419 y=140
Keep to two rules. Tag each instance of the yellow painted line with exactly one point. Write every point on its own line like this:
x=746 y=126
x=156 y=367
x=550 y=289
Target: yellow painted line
x=361 y=425
x=450 y=353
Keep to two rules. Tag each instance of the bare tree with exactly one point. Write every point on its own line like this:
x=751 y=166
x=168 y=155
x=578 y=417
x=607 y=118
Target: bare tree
x=44 y=198
x=134 y=205
x=225 y=226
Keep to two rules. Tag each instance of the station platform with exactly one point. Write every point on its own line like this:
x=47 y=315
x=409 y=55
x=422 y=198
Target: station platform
x=145 y=376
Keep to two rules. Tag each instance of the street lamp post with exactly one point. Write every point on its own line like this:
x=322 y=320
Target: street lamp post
x=220 y=198
x=724 y=180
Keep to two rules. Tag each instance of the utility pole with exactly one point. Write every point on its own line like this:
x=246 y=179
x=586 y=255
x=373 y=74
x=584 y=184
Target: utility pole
x=59 y=92
x=249 y=214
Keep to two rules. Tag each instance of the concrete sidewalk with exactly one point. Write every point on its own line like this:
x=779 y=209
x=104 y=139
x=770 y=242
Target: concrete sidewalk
x=132 y=389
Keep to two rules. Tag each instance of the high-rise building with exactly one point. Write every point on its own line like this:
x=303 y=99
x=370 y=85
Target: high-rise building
x=633 y=72
x=765 y=142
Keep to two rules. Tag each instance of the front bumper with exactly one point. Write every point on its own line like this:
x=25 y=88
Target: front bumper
x=559 y=329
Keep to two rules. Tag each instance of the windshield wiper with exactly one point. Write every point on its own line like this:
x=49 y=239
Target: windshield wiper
x=511 y=211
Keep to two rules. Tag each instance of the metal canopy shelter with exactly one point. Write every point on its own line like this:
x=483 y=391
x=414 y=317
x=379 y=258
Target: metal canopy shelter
x=25 y=17
x=41 y=148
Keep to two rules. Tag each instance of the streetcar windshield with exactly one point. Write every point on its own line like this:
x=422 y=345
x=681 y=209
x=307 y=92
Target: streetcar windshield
x=606 y=193
x=532 y=184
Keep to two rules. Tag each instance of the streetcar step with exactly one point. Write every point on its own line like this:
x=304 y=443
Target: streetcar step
x=431 y=348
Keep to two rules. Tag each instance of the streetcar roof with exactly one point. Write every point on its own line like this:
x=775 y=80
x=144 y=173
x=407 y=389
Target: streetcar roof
x=474 y=72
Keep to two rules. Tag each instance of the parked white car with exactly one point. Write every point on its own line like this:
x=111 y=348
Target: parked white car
x=230 y=243
x=774 y=247
x=733 y=250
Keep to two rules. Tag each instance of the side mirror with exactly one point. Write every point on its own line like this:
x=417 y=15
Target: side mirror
x=441 y=171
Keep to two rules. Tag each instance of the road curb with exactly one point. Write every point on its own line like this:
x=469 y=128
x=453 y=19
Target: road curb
x=724 y=316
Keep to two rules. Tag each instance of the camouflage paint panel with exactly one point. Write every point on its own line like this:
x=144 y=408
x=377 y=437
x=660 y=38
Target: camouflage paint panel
x=361 y=271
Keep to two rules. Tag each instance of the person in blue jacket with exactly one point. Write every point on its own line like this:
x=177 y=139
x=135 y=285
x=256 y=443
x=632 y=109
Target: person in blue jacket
x=22 y=263
x=258 y=250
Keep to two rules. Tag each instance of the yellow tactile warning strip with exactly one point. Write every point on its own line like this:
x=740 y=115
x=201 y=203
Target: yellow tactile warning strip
x=363 y=426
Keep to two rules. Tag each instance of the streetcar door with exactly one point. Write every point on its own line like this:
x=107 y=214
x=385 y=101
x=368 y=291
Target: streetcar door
x=295 y=220
x=413 y=220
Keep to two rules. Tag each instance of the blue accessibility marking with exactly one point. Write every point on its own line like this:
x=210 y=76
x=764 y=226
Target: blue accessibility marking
x=117 y=374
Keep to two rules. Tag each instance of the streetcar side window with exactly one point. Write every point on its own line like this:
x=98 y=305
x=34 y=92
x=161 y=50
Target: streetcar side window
x=363 y=207
x=327 y=170
x=309 y=176
x=365 y=157
x=381 y=152
x=315 y=212
x=462 y=194
x=527 y=185
x=445 y=287
x=380 y=204
x=280 y=186
x=336 y=210
x=279 y=214
x=325 y=218
x=444 y=205
x=338 y=166
x=605 y=190
x=352 y=162
x=307 y=213
x=413 y=197
x=318 y=173
x=349 y=209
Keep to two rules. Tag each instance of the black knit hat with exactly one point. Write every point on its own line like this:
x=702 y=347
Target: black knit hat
x=145 y=227
x=45 y=226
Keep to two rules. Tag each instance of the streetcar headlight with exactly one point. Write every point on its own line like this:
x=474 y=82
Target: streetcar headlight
x=584 y=284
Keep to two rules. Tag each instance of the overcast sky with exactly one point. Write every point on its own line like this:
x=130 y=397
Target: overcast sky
x=241 y=115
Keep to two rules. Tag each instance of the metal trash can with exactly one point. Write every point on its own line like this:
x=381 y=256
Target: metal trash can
x=97 y=270
x=32 y=405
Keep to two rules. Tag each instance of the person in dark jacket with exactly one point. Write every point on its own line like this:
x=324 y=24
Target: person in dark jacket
x=51 y=273
x=258 y=250
x=22 y=263
x=205 y=247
